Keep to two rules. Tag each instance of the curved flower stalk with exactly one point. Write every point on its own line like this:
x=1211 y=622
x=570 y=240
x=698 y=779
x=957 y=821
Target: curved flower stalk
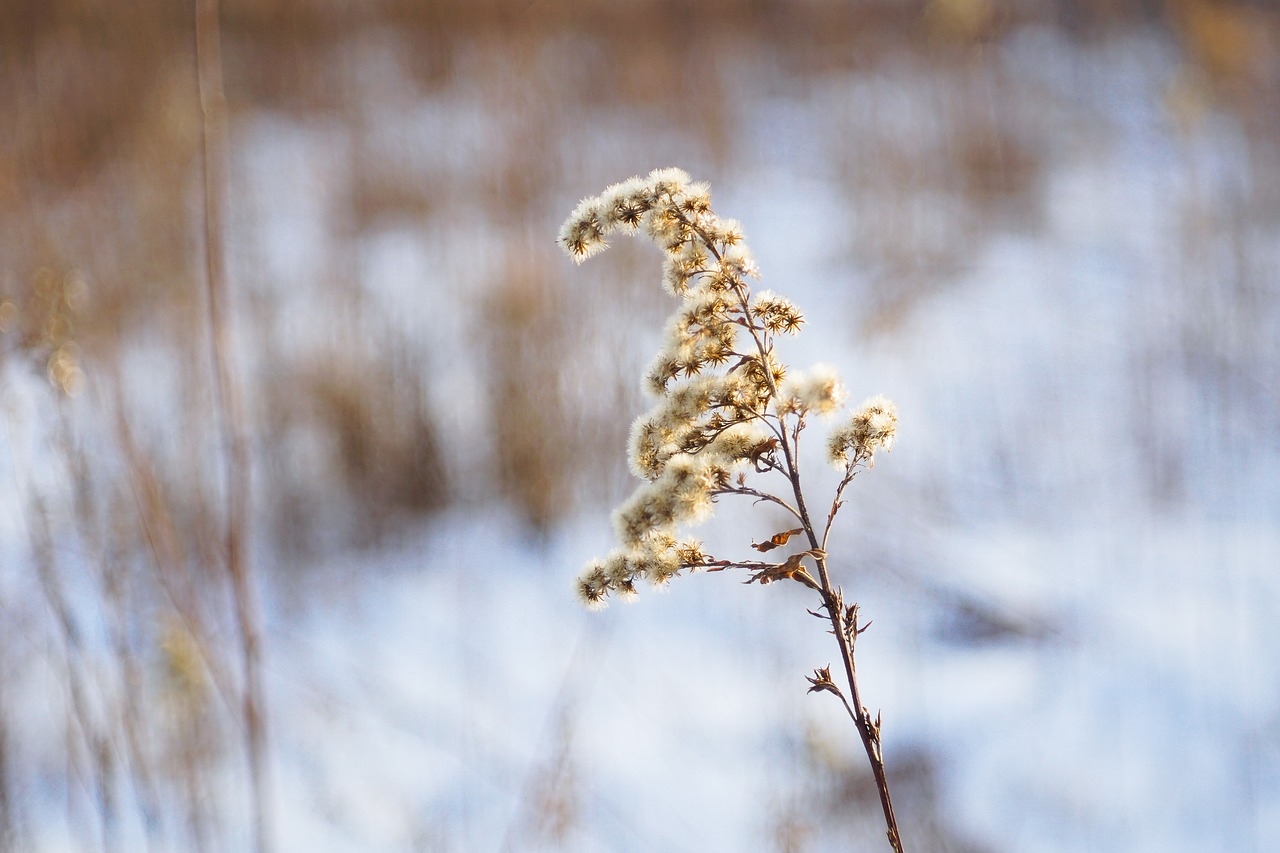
x=727 y=412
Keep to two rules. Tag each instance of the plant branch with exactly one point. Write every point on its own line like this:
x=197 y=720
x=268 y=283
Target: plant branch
x=836 y=503
x=683 y=226
x=867 y=730
x=759 y=496
x=844 y=623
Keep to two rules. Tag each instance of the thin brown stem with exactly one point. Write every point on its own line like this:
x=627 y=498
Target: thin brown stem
x=867 y=730
x=235 y=438
x=869 y=733
x=759 y=496
x=836 y=503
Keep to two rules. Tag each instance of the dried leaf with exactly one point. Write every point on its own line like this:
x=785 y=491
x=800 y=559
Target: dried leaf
x=792 y=564
x=777 y=541
x=791 y=570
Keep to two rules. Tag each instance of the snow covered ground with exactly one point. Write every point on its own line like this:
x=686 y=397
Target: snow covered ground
x=1115 y=693
x=1070 y=557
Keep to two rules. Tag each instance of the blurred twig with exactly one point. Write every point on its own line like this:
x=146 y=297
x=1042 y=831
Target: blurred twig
x=88 y=746
x=213 y=150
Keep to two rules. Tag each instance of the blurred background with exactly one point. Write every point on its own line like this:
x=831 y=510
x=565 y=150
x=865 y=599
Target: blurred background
x=1049 y=229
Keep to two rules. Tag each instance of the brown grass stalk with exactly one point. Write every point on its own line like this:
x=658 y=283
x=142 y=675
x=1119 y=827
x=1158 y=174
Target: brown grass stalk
x=230 y=405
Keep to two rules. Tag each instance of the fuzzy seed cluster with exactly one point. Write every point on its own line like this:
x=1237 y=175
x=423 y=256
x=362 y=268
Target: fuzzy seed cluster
x=720 y=394
x=873 y=427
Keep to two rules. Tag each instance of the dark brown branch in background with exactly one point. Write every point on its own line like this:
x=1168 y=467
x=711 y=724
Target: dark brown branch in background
x=230 y=405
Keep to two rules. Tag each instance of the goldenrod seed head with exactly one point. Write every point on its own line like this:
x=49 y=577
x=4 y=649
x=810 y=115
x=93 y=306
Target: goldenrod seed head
x=663 y=370
x=624 y=204
x=714 y=403
x=776 y=313
x=730 y=233
x=657 y=559
x=663 y=225
x=592 y=586
x=669 y=181
x=582 y=234
x=737 y=258
x=696 y=202
x=818 y=390
x=645 y=448
x=690 y=553
x=649 y=509
x=737 y=443
x=873 y=427
x=688 y=400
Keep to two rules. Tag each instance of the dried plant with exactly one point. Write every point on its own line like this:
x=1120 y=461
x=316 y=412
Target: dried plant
x=727 y=408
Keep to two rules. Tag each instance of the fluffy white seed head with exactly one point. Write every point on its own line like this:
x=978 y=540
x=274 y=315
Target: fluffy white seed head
x=873 y=427
x=818 y=390
x=592 y=586
x=714 y=400
x=582 y=234
x=669 y=181
x=645 y=448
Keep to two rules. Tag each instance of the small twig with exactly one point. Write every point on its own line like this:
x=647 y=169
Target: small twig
x=837 y=502
x=759 y=496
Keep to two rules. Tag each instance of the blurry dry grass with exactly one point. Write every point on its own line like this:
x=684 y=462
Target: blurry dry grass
x=830 y=807
x=527 y=324
x=831 y=803
x=101 y=298
x=352 y=446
